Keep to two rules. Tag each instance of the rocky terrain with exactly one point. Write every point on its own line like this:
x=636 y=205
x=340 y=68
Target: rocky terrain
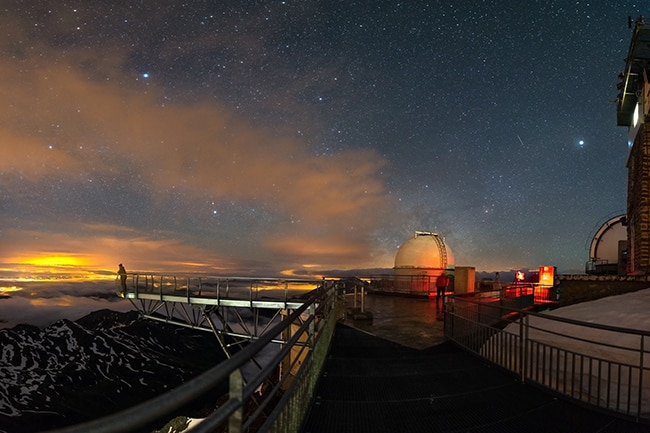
x=71 y=372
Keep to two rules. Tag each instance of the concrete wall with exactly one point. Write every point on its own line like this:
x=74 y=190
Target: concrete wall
x=575 y=289
x=464 y=279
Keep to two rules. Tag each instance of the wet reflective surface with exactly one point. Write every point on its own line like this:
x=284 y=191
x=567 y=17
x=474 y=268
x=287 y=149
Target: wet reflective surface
x=415 y=322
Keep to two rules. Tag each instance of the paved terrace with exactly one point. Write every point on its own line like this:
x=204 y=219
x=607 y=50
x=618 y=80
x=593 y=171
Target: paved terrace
x=397 y=374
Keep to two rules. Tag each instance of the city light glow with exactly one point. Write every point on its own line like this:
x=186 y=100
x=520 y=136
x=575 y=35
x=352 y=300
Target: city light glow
x=54 y=267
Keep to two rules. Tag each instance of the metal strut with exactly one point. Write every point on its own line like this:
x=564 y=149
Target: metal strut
x=442 y=249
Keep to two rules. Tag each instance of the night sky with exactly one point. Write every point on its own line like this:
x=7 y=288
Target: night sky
x=268 y=137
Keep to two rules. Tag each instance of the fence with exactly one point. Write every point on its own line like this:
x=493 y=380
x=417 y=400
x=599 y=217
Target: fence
x=603 y=366
x=192 y=288
x=417 y=285
x=274 y=400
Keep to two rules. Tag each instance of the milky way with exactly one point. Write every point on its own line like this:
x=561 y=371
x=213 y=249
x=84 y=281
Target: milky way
x=307 y=136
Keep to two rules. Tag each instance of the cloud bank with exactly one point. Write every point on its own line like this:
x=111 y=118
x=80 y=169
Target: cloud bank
x=109 y=170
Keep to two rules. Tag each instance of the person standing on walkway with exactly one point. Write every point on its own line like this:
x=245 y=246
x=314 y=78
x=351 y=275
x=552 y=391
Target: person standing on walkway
x=122 y=273
x=441 y=287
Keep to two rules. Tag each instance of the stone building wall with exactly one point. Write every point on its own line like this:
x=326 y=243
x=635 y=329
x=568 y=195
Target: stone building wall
x=638 y=204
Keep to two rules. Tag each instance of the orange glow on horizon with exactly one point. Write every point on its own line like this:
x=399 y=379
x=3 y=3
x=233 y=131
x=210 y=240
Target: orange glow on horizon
x=53 y=275
x=56 y=261
x=5 y=289
x=50 y=302
x=58 y=266
x=54 y=267
x=293 y=273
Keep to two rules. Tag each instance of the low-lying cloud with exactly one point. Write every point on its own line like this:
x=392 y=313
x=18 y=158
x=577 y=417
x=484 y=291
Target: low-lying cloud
x=80 y=153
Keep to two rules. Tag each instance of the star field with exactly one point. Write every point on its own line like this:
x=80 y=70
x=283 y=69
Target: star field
x=308 y=136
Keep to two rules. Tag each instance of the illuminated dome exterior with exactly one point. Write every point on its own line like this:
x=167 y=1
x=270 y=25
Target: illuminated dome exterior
x=608 y=248
x=424 y=254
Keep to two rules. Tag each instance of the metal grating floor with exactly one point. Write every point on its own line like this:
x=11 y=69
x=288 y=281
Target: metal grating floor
x=372 y=385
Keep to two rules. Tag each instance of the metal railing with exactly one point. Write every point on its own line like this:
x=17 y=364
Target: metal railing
x=273 y=400
x=193 y=289
x=237 y=309
x=603 y=366
x=417 y=285
x=521 y=295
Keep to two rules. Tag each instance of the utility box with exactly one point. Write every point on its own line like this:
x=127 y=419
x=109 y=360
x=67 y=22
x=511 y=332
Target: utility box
x=464 y=279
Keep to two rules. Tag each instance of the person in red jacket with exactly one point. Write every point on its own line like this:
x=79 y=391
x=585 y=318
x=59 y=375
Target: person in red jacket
x=441 y=287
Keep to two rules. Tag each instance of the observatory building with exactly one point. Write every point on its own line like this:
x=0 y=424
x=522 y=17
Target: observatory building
x=608 y=249
x=633 y=107
x=425 y=254
x=419 y=262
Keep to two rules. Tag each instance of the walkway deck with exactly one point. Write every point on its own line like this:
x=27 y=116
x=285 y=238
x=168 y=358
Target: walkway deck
x=372 y=383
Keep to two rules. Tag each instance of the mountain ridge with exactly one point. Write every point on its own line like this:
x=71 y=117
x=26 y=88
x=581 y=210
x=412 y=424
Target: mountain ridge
x=75 y=371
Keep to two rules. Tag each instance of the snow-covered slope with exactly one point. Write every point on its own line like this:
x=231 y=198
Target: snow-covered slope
x=596 y=365
x=75 y=371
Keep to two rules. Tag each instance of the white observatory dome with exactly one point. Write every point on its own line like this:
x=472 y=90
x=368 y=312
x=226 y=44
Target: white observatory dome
x=426 y=250
x=606 y=253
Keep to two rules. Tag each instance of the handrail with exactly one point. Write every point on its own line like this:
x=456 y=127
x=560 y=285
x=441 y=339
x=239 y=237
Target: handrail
x=195 y=288
x=601 y=326
x=322 y=308
x=608 y=373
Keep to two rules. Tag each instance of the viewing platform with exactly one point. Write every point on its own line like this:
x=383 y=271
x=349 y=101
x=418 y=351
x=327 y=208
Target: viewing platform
x=308 y=361
x=236 y=309
x=399 y=374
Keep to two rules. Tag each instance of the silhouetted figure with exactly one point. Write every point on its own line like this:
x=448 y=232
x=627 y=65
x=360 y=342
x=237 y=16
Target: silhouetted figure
x=441 y=287
x=122 y=273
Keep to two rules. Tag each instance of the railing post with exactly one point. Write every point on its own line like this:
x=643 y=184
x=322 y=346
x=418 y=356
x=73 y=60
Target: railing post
x=523 y=353
x=235 y=420
x=363 y=299
x=449 y=314
x=641 y=371
x=286 y=292
x=312 y=326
